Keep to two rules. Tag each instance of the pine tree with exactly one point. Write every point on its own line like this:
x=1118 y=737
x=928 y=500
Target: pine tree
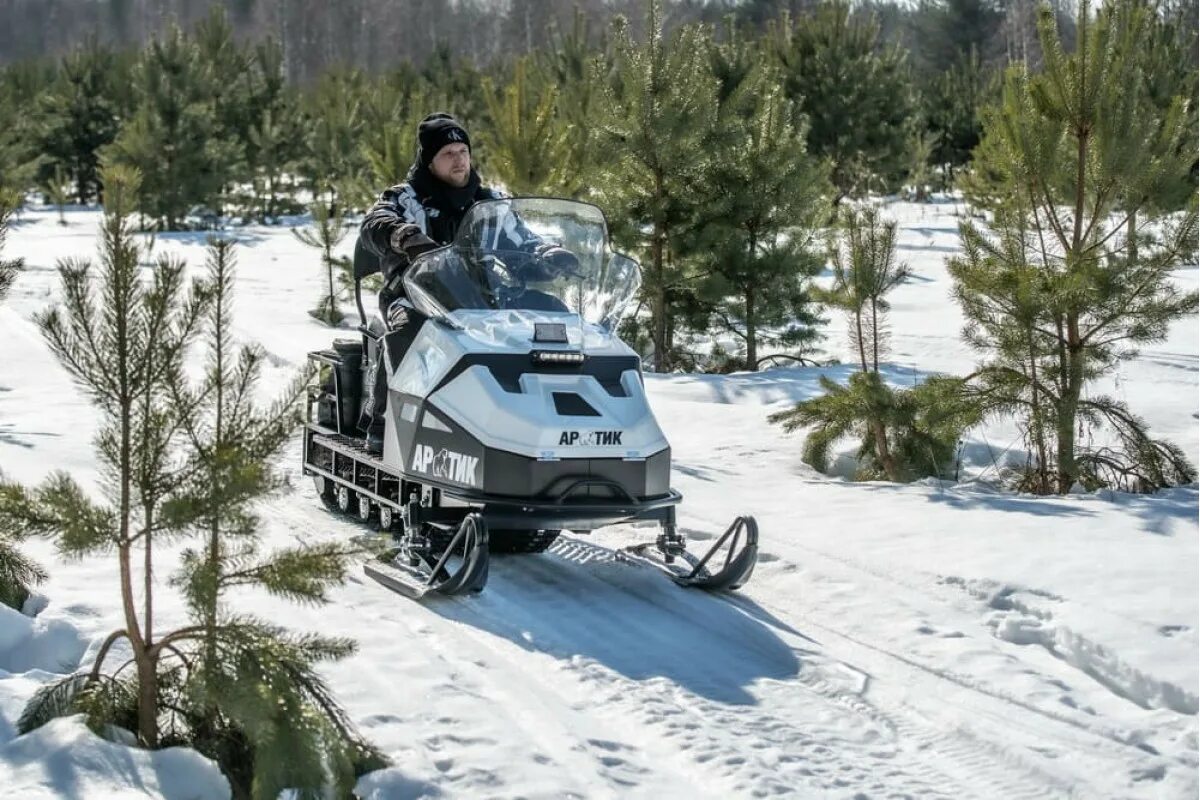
x=175 y=139
x=572 y=65
x=855 y=92
x=903 y=433
x=951 y=31
x=950 y=105
x=123 y=341
x=17 y=572
x=54 y=191
x=181 y=461
x=254 y=702
x=273 y=146
x=657 y=114
x=325 y=232
x=766 y=201
x=79 y=115
x=527 y=145
x=20 y=86
x=335 y=129
x=1056 y=295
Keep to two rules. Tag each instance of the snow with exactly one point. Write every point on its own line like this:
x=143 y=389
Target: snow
x=926 y=640
x=63 y=759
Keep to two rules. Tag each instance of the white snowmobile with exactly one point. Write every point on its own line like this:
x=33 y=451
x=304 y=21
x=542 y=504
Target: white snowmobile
x=513 y=414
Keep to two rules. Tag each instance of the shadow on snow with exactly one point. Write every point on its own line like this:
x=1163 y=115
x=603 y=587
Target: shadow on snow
x=579 y=601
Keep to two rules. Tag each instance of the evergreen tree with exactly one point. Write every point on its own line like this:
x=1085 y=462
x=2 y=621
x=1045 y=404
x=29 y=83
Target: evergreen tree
x=1055 y=296
x=950 y=106
x=903 y=433
x=855 y=93
x=20 y=86
x=864 y=271
x=952 y=31
x=766 y=201
x=123 y=341
x=78 y=116
x=17 y=572
x=175 y=139
x=657 y=115
x=527 y=146
x=335 y=128
x=182 y=461
x=390 y=111
x=326 y=231
x=54 y=192
x=254 y=702
x=273 y=145
x=572 y=65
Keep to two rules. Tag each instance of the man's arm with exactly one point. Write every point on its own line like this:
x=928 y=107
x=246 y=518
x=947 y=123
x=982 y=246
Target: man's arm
x=393 y=230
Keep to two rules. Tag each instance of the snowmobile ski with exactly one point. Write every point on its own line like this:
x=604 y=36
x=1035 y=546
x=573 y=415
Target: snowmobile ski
x=422 y=575
x=739 y=544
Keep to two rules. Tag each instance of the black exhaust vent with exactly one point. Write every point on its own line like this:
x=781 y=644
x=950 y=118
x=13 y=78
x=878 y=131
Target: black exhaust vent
x=569 y=404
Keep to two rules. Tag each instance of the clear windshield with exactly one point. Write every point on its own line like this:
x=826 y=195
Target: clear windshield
x=527 y=254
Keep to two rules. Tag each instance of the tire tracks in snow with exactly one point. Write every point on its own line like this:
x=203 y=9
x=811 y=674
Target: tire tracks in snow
x=701 y=691
x=777 y=743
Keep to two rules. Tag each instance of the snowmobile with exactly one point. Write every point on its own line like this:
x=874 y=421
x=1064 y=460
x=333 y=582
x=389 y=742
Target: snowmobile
x=512 y=414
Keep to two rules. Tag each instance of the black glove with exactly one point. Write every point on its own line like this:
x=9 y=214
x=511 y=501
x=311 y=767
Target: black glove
x=560 y=258
x=410 y=241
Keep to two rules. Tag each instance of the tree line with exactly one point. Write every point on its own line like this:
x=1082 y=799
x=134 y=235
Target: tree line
x=720 y=152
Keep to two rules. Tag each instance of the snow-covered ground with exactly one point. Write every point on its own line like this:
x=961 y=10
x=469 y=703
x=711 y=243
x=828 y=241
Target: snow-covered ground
x=919 y=641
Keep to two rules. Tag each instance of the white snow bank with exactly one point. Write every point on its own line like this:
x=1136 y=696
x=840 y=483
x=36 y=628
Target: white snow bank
x=63 y=760
x=54 y=645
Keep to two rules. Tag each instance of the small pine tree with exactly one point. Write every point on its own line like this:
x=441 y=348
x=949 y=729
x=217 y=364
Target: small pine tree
x=1053 y=295
x=950 y=105
x=335 y=132
x=864 y=271
x=20 y=86
x=921 y=147
x=765 y=201
x=273 y=148
x=855 y=92
x=182 y=461
x=904 y=433
x=54 y=191
x=325 y=232
x=17 y=572
x=122 y=340
x=79 y=116
x=657 y=111
x=571 y=64
x=175 y=139
x=528 y=147
x=253 y=700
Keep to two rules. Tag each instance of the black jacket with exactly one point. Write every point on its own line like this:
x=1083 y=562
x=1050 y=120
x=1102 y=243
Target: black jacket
x=423 y=201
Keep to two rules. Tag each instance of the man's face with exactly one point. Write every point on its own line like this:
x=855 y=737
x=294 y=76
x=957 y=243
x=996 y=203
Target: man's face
x=452 y=165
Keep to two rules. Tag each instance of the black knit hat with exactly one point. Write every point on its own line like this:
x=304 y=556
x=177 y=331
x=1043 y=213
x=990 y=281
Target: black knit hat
x=435 y=132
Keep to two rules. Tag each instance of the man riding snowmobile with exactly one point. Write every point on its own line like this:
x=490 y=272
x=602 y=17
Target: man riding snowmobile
x=424 y=213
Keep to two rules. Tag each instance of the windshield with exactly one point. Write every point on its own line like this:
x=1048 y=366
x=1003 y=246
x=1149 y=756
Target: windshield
x=526 y=254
